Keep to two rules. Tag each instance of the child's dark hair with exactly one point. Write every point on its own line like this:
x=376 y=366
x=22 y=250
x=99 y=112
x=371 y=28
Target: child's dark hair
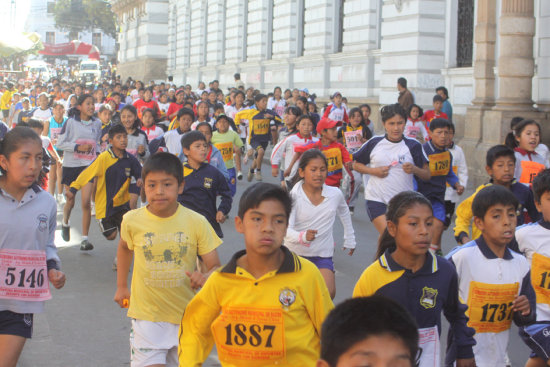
x=496 y=152
x=420 y=110
x=192 y=137
x=490 y=196
x=302 y=118
x=516 y=132
x=259 y=97
x=365 y=105
x=439 y=123
x=186 y=111
x=13 y=140
x=515 y=121
x=397 y=207
x=293 y=110
x=104 y=107
x=437 y=98
x=130 y=108
x=148 y=110
x=444 y=90
x=357 y=319
x=355 y=110
x=74 y=112
x=306 y=157
x=388 y=111
x=163 y=162
x=117 y=129
x=218 y=107
x=35 y=124
x=541 y=184
x=204 y=124
x=253 y=196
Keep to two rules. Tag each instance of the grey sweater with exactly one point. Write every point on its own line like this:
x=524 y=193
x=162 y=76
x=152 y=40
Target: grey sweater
x=75 y=133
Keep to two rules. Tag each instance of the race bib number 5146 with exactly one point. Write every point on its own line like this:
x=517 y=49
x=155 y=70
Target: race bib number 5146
x=253 y=336
x=24 y=275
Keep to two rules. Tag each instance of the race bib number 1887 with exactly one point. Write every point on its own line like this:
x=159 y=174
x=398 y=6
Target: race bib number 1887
x=24 y=275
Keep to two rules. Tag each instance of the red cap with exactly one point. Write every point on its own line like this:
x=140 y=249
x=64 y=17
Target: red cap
x=325 y=123
x=179 y=91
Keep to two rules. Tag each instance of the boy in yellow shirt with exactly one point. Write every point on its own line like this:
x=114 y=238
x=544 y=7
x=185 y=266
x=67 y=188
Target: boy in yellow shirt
x=164 y=238
x=266 y=306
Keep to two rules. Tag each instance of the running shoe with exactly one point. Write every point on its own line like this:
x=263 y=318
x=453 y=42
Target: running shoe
x=351 y=210
x=85 y=245
x=258 y=176
x=249 y=176
x=239 y=175
x=66 y=233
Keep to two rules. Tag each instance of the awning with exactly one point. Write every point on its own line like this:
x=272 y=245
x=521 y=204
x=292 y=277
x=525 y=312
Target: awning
x=70 y=48
x=12 y=44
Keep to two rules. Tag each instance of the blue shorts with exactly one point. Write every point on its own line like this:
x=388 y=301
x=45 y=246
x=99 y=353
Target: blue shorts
x=537 y=337
x=439 y=210
x=232 y=182
x=375 y=209
x=321 y=262
x=19 y=324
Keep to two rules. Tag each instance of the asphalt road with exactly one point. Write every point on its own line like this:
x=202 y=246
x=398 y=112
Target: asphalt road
x=82 y=326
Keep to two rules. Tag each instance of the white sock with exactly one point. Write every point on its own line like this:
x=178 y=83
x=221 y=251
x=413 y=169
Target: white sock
x=84 y=238
x=65 y=224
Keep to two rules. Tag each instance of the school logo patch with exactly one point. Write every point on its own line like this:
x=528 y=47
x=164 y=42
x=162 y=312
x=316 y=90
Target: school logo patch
x=287 y=297
x=207 y=182
x=127 y=171
x=428 y=298
x=42 y=222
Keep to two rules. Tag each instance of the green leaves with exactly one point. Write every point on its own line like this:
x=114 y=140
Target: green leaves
x=84 y=15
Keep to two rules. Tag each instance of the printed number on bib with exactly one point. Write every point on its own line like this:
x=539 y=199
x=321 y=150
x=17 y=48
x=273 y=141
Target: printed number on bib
x=226 y=149
x=353 y=139
x=540 y=277
x=334 y=159
x=490 y=306
x=24 y=275
x=440 y=163
x=251 y=335
x=529 y=170
x=88 y=155
x=261 y=127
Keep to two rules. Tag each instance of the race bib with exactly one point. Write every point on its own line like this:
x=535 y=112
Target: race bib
x=353 y=139
x=24 y=275
x=440 y=163
x=490 y=306
x=261 y=127
x=529 y=170
x=253 y=336
x=54 y=132
x=334 y=159
x=455 y=170
x=90 y=154
x=280 y=110
x=226 y=149
x=336 y=114
x=540 y=277
x=412 y=132
x=428 y=341
x=132 y=152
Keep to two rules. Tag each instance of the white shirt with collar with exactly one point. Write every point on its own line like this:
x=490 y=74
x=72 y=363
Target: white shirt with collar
x=321 y=218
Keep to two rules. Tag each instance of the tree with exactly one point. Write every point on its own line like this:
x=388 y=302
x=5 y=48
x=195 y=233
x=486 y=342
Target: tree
x=84 y=15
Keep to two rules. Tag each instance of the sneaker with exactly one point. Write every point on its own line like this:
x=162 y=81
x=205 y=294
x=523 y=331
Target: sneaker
x=258 y=176
x=351 y=210
x=115 y=264
x=249 y=176
x=85 y=245
x=92 y=205
x=239 y=175
x=66 y=233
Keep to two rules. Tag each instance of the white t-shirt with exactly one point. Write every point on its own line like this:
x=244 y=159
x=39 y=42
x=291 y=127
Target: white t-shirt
x=42 y=115
x=378 y=152
x=460 y=169
x=415 y=129
x=277 y=106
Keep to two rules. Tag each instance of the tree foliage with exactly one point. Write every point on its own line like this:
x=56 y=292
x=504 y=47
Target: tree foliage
x=84 y=15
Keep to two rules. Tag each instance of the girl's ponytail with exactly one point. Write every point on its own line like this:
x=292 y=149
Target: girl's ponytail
x=511 y=141
x=73 y=113
x=385 y=242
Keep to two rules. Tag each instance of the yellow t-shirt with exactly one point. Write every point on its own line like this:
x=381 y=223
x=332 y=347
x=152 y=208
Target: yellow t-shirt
x=273 y=320
x=225 y=144
x=164 y=248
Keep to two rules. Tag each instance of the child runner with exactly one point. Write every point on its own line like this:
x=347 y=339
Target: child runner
x=114 y=169
x=232 y=110
x=285 y=149
x=228 y=143
x=414 y=128
x=203 y=115
x=461 y=170
x=353 y=134
x=524 y=139
x=436 y=112
x=500 y=167
x=79 y=139
x=391 y=161
x=138 y=145
x=366 y=111
x=105 y=114
x=50 y=155
x=266 y=306
x=290 y=117
x=441 y=170
x=52 y=128
x=277 y=102
x=213 y=155
x=336 y=110
x=315 y=206
x=171 y=140
x=368 y=331
x=27 y=248
x=493 y=280
x=541 y=149
x=425 y=284
x=152 y=130
x=533 y=243
x=164 y=240
x=203 y=182
x=43 y=112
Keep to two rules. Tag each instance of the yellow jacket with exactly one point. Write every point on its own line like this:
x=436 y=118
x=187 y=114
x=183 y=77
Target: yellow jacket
x=464 y=216
x=5 y=101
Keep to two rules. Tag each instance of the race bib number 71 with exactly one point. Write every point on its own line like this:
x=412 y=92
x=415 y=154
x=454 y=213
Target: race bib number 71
x=24 y=275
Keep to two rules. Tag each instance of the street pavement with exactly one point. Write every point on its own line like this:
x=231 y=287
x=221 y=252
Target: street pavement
x=82 y=326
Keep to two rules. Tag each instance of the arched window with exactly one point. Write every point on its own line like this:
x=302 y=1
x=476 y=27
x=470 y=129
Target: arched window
x=465 y=33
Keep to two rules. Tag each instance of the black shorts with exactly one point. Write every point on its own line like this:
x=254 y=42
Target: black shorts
x=19 y=324
x=449 y=211
x=69 y=174
x=256 y=145
x=134 y=189
x=111 y=224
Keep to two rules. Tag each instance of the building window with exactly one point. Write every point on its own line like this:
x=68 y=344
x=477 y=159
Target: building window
x=339 y=23
x=50 y=37
x=51 y=7
x=269 y=41
x=96 y=39
x=301 y=14
x=465 y=33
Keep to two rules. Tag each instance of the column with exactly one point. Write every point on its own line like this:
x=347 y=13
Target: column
x=516 y=63
x=484 y=59
x=542 y=79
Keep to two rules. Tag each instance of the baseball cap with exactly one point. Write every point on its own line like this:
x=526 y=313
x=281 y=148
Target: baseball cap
x=336 y=94
x=305 y=90
x=325 y=123
x=25 y=99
